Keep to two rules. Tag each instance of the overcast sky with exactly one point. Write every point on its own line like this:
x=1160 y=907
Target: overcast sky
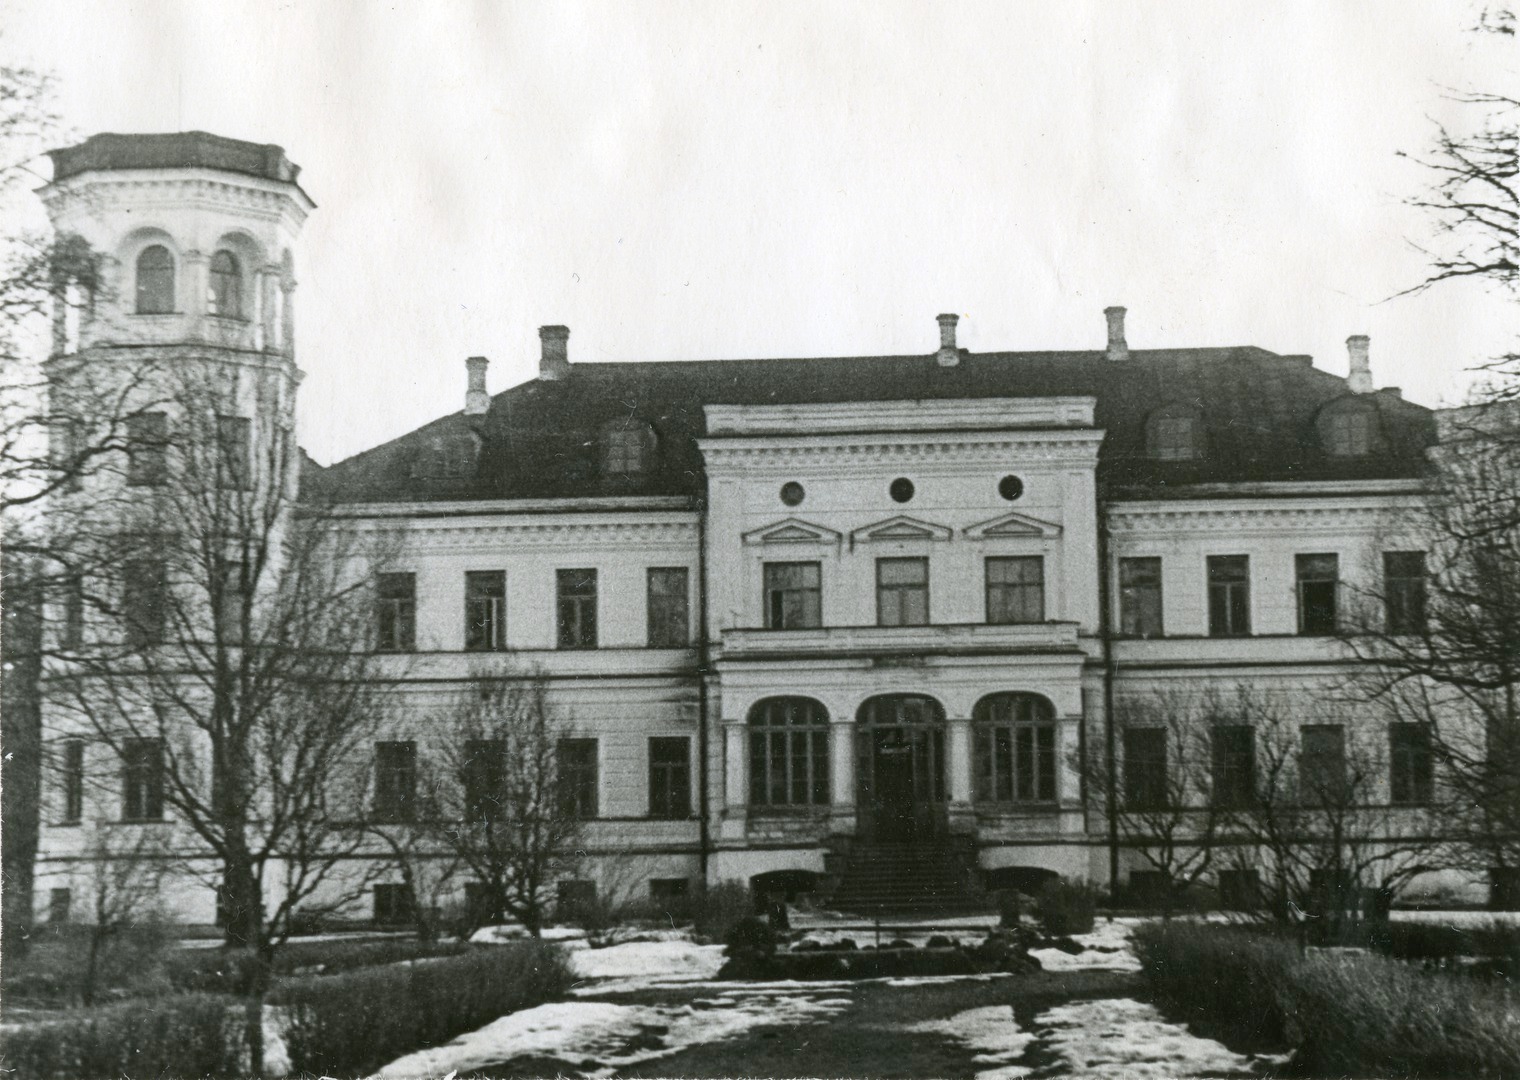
x=696 y=180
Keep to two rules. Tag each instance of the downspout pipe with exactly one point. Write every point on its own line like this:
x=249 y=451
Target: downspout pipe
x=704 y=795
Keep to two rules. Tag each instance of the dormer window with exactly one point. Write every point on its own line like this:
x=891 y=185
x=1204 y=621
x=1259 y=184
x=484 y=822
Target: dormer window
x=1174 y=433
x=225 y=295
x=1348 y=428
x=155 y=281
x=627 y=448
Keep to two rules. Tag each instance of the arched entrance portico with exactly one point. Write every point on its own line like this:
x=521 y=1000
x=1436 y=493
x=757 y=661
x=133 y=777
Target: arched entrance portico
x=900 y=767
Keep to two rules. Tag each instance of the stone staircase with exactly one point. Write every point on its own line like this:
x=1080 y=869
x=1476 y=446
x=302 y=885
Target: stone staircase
x=913 y=878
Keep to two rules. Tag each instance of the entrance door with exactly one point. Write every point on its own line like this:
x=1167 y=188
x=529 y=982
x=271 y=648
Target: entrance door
x=900 y=770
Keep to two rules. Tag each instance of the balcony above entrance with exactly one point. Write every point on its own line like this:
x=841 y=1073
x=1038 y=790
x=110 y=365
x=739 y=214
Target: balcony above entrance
x=901 y=641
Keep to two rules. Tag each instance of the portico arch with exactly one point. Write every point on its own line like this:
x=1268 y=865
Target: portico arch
x=900 y=766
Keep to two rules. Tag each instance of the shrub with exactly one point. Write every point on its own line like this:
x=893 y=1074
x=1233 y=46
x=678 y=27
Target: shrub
x=718 y=909
x=130 y=963
x=229 y=971
x=190 y=1035
x=1342 y=1013
x=1067 y=907
x=355 y=1022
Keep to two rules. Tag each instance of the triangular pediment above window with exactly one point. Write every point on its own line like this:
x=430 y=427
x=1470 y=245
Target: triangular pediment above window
x=1014 y=525
x=901 y=527
x=792 y=531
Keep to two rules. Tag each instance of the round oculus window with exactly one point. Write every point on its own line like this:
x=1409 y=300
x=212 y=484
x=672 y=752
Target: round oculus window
x=792 y=493
x=901 y=489
x=1010 y=487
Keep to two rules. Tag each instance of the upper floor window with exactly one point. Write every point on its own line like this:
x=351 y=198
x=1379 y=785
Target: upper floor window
x=225 y=295
x=1348 y=428
x=1140 y=596
x=577 y=608
x=147 y=449
x=144 y=600
x=1016 y=589
x=1229 y=595
x=1318 y=582
x=396 y=613
x=627 y=448
x=902 y=592
x=1404 y=591
x=155 y=281
x=793 y=596
x=72 y=775
x=1174 y=433
x=575 y=777
x=1015 y=749
x=667 y=607
x=485 y=610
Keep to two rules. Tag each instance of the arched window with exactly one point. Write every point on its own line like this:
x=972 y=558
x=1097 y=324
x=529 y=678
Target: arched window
x=1015 y=749
x=155 y=281
x=627 y=448
x=1348 y=428
x=225 y=296
x=788 y=753
x=1174 y=433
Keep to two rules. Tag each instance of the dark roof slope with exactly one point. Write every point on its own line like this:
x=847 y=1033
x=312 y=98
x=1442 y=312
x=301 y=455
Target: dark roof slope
x=174 y=150
x=540 y=439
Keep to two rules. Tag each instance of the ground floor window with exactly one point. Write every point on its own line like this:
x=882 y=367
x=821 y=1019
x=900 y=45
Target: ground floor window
x=59 y=902
x=670 y=777
x=482 y=904
x=671 y=895
x=788 y=753
x=574 y=898
x=1015 y=749
x=1240 y=889
x=393 y=905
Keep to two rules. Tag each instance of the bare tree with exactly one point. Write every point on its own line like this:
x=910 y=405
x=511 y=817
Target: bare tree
x=497 y=799
x=1166 y=812
x=1300 y=777
x=223 y=656
x=122 y=875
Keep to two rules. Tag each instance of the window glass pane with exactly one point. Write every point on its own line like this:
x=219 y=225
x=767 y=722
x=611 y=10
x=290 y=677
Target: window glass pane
x=1229 y=595
x=1140 y=596
x=485 y=604
x=577 y=608
x=667 y=607
x=155 y=281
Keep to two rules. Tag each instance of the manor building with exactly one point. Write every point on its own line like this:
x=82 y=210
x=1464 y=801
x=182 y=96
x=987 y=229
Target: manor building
x=799 y=608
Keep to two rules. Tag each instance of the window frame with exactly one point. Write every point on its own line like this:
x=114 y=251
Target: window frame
x=145 y=599
x=397 y=908
x=396 y=614
x=578 y=782
x=667 y=606
x=1411 y=767
x=71 y=781
x=1316 y=586
x=234 y=447
x=1405 y=593
x=576 y=602
x=142 y=780
x=147 y=437
x=1006 y=603
x=894 y=598
x=154 y=286
x=789 y=743
x=1137 y=599
x=224 y=288
x=1232 y=772
x=627 y=449
x=483 y=779
x=485 y=610
x=669 y=780
x=1229 y=598
x=1322 y=775
x=775 y=596
x=1015 y=751
x=1146 y=785
x=395 y=795
x=1174 y=433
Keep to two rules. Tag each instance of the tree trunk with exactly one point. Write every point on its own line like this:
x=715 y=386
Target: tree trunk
x=242 y=905
x=91 y=967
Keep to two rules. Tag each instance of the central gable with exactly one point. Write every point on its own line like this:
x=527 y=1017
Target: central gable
x=792 y=531
x=900 y=527
x=1013 y=525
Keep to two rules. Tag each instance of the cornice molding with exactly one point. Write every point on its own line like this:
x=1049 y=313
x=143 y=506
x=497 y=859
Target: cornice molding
x=940 y=414
x=1214 y=517
x=814 y=453
x=180 y=188
x=553 y=534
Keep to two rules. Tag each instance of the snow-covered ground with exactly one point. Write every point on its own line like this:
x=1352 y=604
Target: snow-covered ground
x=1107 y=948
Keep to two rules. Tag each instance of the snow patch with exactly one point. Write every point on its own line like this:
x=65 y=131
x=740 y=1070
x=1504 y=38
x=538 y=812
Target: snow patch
x=1107 y=948
x=498 y=935
x=991 y=1032
x=649 y=962
x=1121 y=1036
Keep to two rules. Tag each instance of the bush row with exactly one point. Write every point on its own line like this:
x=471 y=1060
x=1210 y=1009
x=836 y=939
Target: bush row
x=353 y=1023
x=186 y=1035
x=335 y=1025
x=1343 y=1013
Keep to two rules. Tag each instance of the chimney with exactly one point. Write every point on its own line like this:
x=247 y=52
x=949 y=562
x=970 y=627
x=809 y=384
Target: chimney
x=476 y=400
x=1359 y=380
x=1118 y=348
x=555 y=362
x=948 y=355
